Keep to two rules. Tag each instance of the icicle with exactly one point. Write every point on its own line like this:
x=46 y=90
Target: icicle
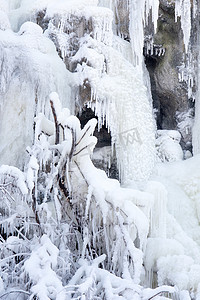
x=158 y=225
x=183 y=10
x=138 y=18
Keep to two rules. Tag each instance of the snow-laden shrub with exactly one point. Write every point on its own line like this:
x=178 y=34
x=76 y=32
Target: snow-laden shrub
x=71 y=233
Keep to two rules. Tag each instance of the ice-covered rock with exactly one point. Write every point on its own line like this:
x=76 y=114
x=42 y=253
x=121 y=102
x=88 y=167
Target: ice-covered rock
x=168 y=145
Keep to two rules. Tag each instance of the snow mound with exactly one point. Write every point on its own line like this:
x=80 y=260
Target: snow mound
x=30 y=28
x=167 y=145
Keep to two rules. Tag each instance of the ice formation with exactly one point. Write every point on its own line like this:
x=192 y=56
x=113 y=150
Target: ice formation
x=117 y=86
x=157 y=225
x=168 y=145
x=30 y=68
x=39 y=268
x=180 y=180
x=183 y=10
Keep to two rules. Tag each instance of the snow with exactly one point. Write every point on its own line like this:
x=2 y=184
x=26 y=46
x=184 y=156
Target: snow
x=13 y=243
x=161 y=247
x=147 y=293
x=113 y=285
x=113 y=88
x=167 y=145
x=31 y=174
x=153 y=217
x=1 y=285
x=175 y=257
x=11 y=173
x=39 y=268
x=30 y=68
x=30 y=28
x=4 y=21
x=107 y=192
x=43 y=125
x=3 y=5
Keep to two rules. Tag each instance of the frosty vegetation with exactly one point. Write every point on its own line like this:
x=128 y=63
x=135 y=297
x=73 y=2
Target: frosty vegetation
x=67 y=231
x=64 y=232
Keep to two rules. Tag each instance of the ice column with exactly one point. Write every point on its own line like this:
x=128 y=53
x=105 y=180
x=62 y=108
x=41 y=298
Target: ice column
x=183 y=10
x=158 y=215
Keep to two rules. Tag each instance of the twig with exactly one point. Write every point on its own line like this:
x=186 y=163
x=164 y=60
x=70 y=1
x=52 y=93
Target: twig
x=5 y=184
x=82 y=136
x=73 y=143
x=17 y=291
x=156 y=294
x=81 y=150
x=81 y=173
x=56 y=122
x=22 y=235
x=4 y=191
x=14 y=255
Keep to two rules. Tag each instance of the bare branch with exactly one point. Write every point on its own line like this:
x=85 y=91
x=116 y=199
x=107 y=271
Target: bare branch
x=56 y=123
x=83 y=136
x=73 y=143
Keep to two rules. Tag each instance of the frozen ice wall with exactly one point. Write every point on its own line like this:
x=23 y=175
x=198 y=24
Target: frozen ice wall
x=129 y=108
x=128 y=114
x=30 y=70
x=112 y=67
x=121 y=92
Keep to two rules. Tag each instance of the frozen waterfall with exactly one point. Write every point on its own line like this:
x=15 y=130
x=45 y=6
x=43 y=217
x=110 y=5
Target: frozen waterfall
x=119 y=89
x=89 y=55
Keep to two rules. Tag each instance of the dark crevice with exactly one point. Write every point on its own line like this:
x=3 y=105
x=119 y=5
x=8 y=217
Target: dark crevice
x=104 y=140
x=151 y=64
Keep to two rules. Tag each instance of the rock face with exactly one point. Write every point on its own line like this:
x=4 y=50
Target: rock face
x=165 y=57
x=170 y=95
